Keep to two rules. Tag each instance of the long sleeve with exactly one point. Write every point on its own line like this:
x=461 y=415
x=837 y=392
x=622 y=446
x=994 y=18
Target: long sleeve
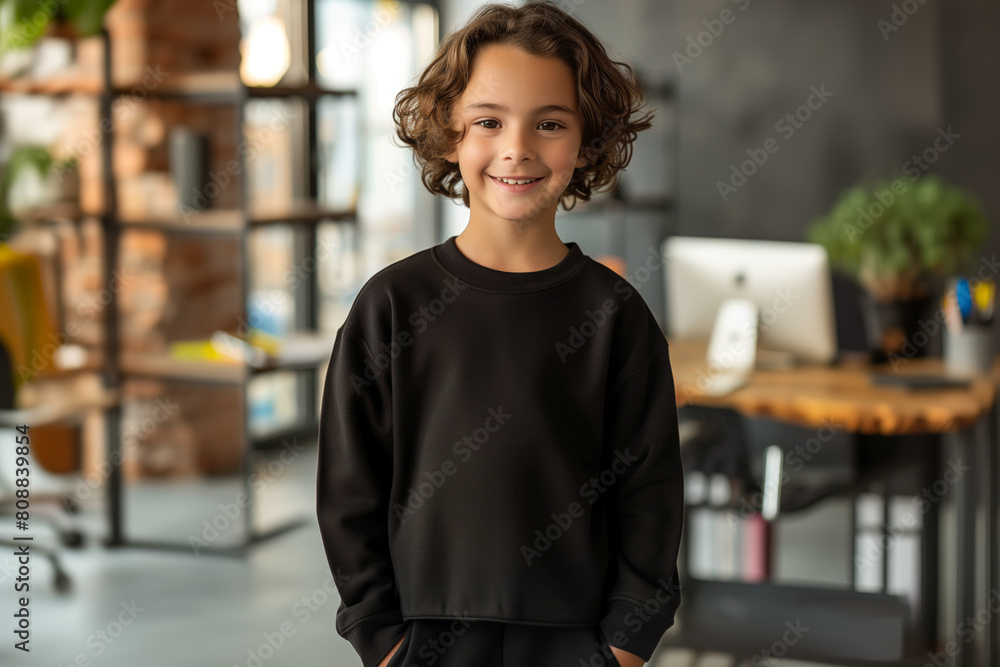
x=352 y=496
x=645 y=506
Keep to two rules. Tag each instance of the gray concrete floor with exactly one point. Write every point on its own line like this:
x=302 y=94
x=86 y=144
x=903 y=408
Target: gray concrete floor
x=143 y=608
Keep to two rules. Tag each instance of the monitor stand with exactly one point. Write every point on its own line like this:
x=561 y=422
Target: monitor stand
x=732 y=350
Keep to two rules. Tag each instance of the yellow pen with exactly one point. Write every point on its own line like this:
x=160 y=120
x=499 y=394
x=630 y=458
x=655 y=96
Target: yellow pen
x=983 y=295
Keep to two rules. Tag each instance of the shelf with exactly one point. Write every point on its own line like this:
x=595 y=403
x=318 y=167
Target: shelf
x=55 y=412
x=311 y=91
x=302 y=211
x=167 y=368
x=54 y=212
x=230 y=220
x=73 y=79
x=275 y=438
x=292 y=365
x=609 y=204
x=226 y=86
x=69 y=83
x=93 y=362
x=302 y=352
x=164 y=367
x=225 y=220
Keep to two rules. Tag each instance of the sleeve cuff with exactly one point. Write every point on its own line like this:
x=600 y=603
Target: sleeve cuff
x=631 y=627
x=373 y=637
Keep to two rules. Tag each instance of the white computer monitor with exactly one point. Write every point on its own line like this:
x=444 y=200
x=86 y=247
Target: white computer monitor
x=789 y=283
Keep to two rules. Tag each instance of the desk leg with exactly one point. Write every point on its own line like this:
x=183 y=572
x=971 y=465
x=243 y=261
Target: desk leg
x=994 y=524
x=973 y=451
x=930 y=560
x=965 y=551
x=988 y=480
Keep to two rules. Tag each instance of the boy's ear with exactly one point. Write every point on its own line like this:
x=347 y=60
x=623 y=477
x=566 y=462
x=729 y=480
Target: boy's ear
x=581 y=161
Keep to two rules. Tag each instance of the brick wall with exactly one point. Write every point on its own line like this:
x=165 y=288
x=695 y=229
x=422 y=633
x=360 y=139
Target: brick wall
x=174 y=286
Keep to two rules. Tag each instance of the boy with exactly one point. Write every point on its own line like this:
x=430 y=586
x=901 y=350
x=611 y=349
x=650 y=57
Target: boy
x=499 y=478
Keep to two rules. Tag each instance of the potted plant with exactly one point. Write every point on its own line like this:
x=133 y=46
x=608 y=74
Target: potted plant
x=29 y=19
x=60 y=182
x=899 y=238
x=20 y=161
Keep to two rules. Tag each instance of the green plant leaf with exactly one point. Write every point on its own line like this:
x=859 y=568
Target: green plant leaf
x=26 y=157
x=87 y=16
x=19 y=27
x=21 y=158
x=900 y=231
x=23 y=22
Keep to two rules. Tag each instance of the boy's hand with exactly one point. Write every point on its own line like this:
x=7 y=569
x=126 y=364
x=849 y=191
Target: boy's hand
x=388 y=657
x=626 y=659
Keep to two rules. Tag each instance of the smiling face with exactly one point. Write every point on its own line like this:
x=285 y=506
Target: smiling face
x=521 y=121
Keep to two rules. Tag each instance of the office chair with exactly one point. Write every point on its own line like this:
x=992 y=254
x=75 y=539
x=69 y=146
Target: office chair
x=815 y=463
x=48 y=491
x=61 y=580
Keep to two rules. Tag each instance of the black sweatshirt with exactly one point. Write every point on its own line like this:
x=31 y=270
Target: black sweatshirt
x=500 y=446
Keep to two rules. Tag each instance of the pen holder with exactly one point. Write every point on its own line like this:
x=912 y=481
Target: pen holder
x=969 y=351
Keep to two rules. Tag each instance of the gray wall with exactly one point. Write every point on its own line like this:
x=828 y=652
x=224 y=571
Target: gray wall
x=892 y=92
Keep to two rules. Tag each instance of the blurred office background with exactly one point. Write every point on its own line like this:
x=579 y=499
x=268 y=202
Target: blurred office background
x=292 y=193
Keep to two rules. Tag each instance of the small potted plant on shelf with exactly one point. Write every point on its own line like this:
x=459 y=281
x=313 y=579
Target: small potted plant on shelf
x=21 y=160
x=60 y=182
x=899 y=239
x=29 y=20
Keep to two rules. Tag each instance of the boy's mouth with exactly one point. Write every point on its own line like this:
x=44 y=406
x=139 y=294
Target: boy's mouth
x=516 y=184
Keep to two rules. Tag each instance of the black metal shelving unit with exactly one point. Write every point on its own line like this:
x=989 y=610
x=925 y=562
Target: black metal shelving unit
x=664 y=205
x=305 y=216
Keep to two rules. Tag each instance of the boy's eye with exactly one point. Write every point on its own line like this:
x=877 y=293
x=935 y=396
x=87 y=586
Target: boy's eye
x=553 y=125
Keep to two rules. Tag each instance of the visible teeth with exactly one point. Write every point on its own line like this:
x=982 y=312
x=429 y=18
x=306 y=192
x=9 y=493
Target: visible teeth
x=530 y=180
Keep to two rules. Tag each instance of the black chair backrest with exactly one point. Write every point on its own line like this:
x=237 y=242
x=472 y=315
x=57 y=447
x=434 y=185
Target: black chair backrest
x=6 y=379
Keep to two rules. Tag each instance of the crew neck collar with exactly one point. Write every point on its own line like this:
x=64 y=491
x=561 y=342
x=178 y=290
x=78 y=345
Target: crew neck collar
x=451 y=258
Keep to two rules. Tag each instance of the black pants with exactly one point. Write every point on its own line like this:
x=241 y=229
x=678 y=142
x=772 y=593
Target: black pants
x=469 y=643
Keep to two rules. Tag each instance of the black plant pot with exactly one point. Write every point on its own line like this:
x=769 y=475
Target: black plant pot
x=900 y=330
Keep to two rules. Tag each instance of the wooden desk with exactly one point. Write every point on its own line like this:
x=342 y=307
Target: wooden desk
x=814 y=396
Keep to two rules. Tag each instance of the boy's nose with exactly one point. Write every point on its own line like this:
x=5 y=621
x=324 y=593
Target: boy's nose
x=518 y=146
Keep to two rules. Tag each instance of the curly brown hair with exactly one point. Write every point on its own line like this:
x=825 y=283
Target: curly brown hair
x=609 y=94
